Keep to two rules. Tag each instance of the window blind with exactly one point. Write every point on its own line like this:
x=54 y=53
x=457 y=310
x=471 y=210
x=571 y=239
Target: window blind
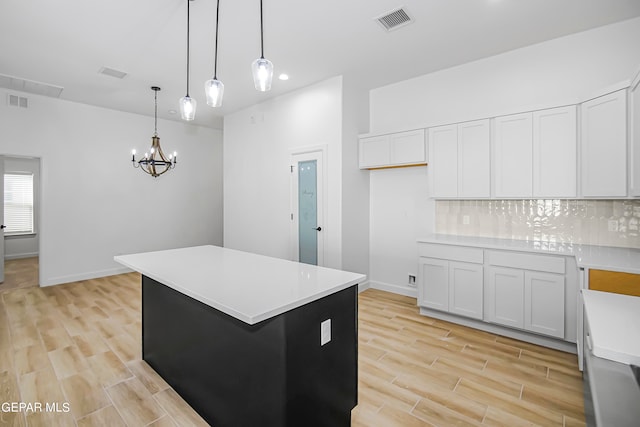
x=18 y=203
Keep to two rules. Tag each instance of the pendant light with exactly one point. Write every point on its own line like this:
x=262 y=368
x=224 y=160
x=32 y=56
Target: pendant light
x=262 y=68
x=214 y=88
x=187 y=104
x=154 y=161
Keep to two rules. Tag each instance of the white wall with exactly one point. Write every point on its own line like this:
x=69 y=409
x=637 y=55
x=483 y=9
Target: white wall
x=257 y=145
x=24 y=246
x=557 y=72
x=94 y=203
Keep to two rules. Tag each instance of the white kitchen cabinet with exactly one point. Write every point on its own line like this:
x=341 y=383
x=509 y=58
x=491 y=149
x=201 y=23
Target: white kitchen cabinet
x=474 y=159
x=396 y=149
x=512 y=151
x=460 y=160
x=544 y=303
x=634 y=105
x=603 y=145
x=465 y=289
x=504 y=292
x=526 y=291
x=555 y=152
x=433 y=291
x=443 y=158
x=451 y=279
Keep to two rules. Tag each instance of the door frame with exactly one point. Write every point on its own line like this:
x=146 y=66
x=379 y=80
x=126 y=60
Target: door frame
x=318 y=153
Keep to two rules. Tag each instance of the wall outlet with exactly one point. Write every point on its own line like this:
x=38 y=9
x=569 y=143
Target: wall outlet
x=613 y=225
x=465 y=219
x=412 y=280
x=325 y=332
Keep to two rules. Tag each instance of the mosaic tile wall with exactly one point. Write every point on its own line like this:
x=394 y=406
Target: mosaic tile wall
x=593 y=222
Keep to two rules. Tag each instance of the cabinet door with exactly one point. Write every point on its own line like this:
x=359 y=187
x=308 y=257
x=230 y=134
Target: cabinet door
x=604 y=146
x=375 y=151
x=474 y=159
x=512 y=149
x=504 y=291
x=544 y=303
x=465 y=289
x=554 y=152
x=434 y=284
x=443 y=161
x=634 y=94
x=408 y=148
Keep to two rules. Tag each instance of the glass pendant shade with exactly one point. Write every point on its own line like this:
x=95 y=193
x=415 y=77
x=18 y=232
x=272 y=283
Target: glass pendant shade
x=262 y=74
x=187 y=108
x=214 y=90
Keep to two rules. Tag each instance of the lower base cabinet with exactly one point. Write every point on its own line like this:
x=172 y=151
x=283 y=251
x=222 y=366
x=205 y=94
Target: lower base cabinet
x=451 y=286
x=519 y=290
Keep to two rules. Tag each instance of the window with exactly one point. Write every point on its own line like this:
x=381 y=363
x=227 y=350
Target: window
x=18 y=203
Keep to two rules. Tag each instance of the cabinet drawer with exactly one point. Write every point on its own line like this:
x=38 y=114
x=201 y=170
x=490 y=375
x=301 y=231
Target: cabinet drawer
x=452 y=253
x=551 y=264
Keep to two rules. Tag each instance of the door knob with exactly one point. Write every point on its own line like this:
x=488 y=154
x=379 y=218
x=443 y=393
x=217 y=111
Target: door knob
x=318 y=228
x=2 y=227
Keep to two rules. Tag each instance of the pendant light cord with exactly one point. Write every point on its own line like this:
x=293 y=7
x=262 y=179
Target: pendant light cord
x=188 y=15
x=155 y=128
x=261 y=33
x=215 y=60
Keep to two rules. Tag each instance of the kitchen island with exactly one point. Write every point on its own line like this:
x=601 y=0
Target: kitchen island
x=251 y=340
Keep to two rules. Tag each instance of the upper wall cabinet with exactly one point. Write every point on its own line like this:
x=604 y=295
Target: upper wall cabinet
x=534 y=154
x=634 y=104
x=459 y=157
x=512 y=142
x=555 y=152
x=604 y=146
x=396 y=149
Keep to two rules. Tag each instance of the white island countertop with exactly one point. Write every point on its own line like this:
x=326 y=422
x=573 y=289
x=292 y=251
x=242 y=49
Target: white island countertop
x=247 y=286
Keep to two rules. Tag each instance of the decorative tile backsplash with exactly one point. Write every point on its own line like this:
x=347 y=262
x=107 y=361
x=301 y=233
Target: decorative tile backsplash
x=593 y=222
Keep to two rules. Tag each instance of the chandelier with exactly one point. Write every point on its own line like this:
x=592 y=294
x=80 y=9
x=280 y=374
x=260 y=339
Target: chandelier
x=154 y=161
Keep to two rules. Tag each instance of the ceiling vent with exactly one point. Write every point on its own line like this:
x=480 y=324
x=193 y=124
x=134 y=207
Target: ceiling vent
x=112 y=72
x=18 y=101
x=24 y=85
x=395 y=19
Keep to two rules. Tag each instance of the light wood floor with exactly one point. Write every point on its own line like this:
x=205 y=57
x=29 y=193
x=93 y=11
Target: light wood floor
x=20 y=273
x=79 y=344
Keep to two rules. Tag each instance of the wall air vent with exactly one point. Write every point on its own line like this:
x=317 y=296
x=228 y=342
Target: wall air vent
x=395 y=19
x=18 y=101
x=112 y=72
x=24 y=85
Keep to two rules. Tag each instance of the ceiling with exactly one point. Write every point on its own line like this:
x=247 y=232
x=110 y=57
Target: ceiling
x=65 y=43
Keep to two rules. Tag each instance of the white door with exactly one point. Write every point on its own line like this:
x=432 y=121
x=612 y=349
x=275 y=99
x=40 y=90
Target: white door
x=505 y=296
x=307 y=207
x=544 y=303
x=434 y=284
x=2 y=219
x=443 y=161
x=474 y=159
x=512 y=147
x=465 y=289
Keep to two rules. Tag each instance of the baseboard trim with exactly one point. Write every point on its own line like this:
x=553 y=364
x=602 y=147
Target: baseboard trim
x=363 y=286
x=83 y=276
x=401 y=290
x=549 y=342
x=20 y=256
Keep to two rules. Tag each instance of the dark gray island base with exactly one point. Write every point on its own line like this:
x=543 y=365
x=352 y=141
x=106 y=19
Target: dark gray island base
x=273 y=373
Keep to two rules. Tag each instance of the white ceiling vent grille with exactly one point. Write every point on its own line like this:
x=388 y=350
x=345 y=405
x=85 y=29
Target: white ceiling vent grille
x=24 y=85
x=395 y=19
x=18 y=101
x=112 y=72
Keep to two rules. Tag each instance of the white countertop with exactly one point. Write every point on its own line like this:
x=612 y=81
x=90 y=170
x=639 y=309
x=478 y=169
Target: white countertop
x=249 y=287
x=587 y=256
x=613 y=324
